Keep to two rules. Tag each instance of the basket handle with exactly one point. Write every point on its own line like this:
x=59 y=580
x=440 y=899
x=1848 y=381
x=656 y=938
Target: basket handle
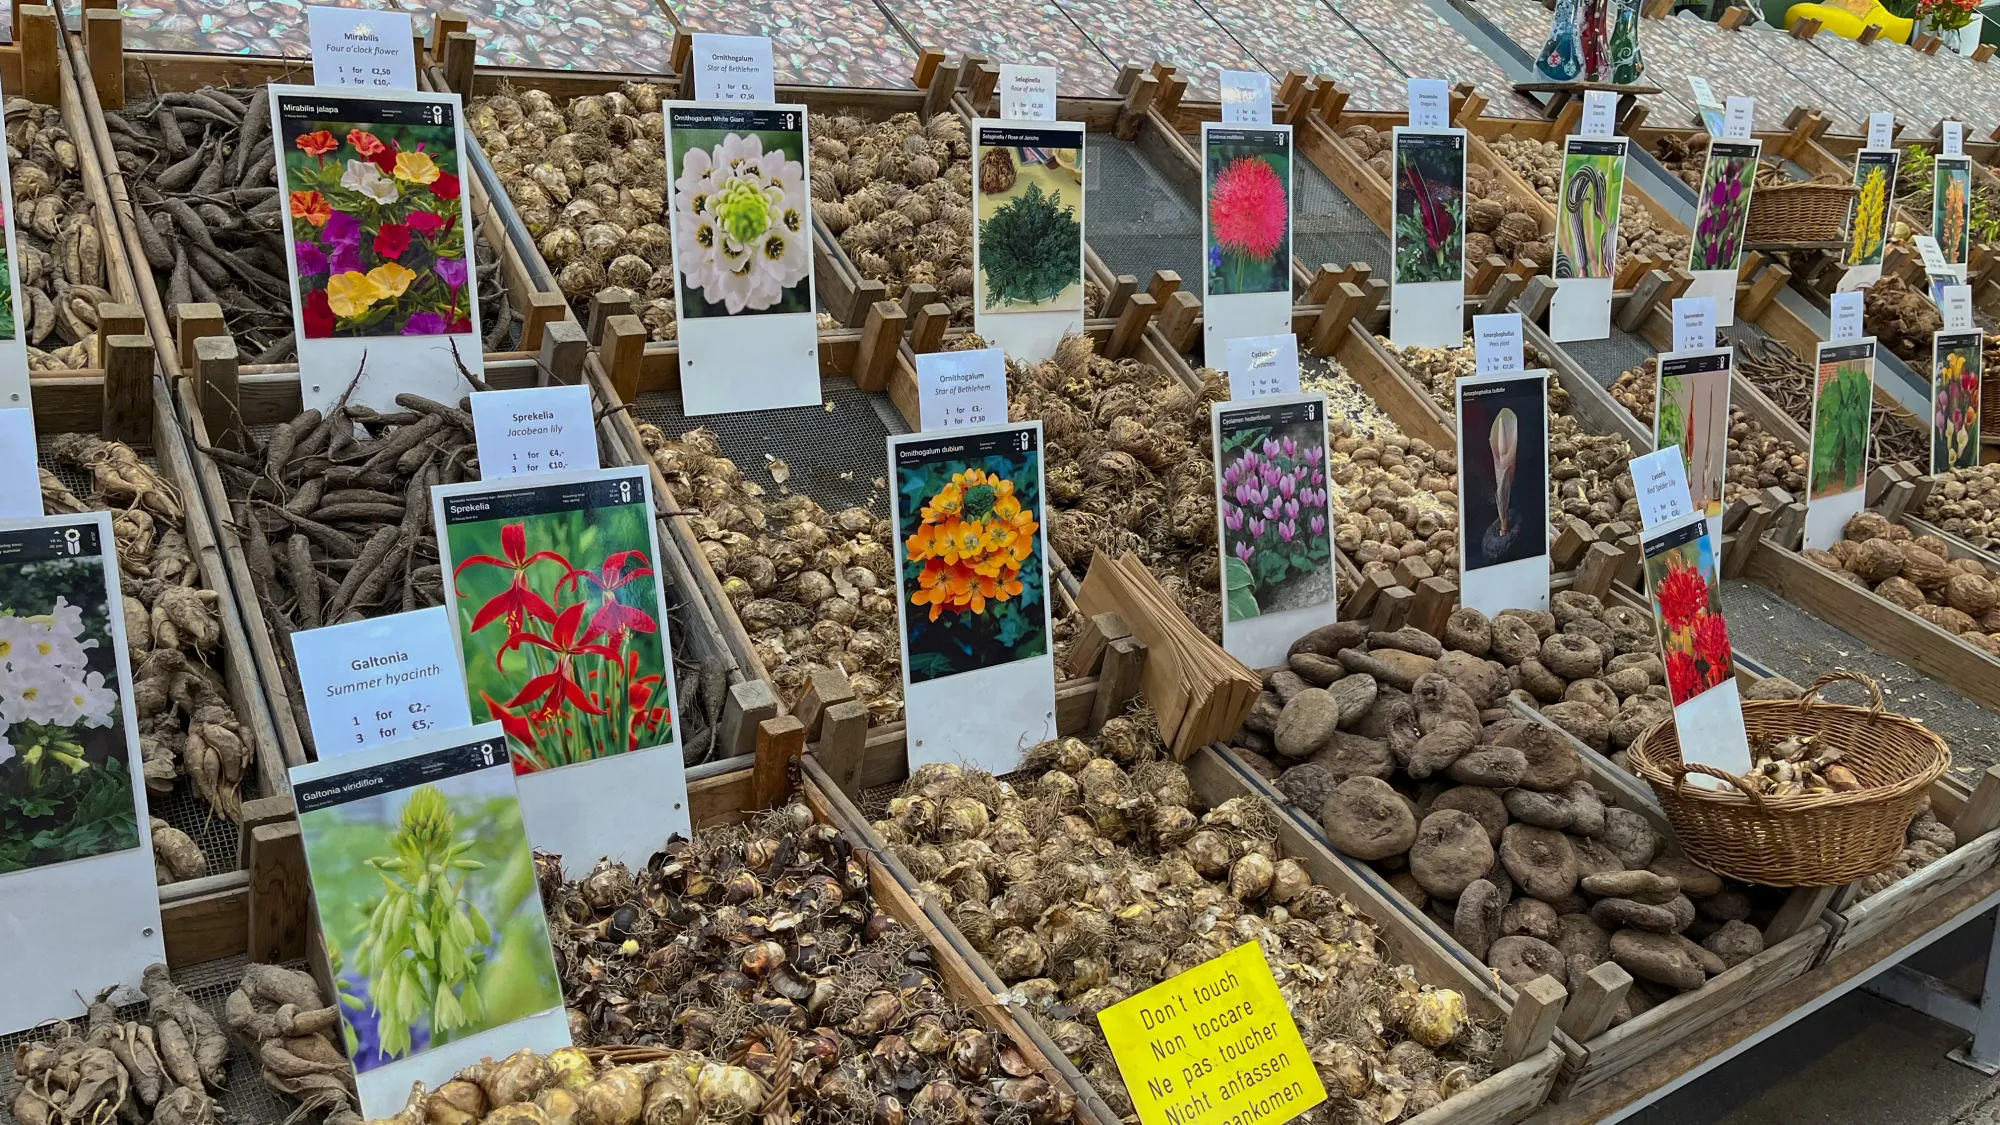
x=1681 y=770
x=1811 y=694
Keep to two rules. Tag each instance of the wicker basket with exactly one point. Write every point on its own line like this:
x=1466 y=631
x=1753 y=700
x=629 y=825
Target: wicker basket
x=1807 y=212
x=1808 y=840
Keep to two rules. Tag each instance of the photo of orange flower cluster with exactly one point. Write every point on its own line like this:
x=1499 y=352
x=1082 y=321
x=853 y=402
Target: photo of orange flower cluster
x=970 y=532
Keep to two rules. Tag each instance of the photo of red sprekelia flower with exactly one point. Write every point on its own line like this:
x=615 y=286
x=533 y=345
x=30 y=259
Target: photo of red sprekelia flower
x=1693 y=634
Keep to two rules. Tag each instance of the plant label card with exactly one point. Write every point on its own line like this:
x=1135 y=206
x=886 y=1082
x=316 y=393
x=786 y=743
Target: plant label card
x=13 y=329
x=560 y=612
x=79 y=905
x=1600 y=113
x=1707 y=106
x=1276 y=527
x=1843 y=316
x=1246 y=97
x=362 y=47
x=1177 y=1069
x=1496 y=343
x=741 y=215
x=958 y=389
x=1027 y=93
x=1957 y=308
x=1957 y=363
x=1951 y=211
x=732 y=68
x=1691 y=412
x=1694 y=323
x=381 y=680
x=1681 y=569
x=1588 y=207
x=1737 y=113
x=1262 y=366
x=424 y=884
x=1837 y=467
x=1722 y=214
x=378 y=243
x=1246 y=225
x=534 y=430
x=1868 y=229
x=1951 y=138
x=1427 y=244
x=1881 y=129
x=1660 y=479
x=20 y=478
x=1503 y=491
x=972 y=586
x=1027 y=235
x=1430 y=103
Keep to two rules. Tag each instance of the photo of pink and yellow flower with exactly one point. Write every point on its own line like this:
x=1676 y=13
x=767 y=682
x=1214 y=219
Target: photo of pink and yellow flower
x=378 y=228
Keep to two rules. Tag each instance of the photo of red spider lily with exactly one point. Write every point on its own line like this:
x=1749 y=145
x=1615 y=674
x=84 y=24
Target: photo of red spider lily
x=557 y=613
x=1693 y=635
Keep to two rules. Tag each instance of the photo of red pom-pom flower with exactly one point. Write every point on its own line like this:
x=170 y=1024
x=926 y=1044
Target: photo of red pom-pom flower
x=1693 y=635
x=1249 y=184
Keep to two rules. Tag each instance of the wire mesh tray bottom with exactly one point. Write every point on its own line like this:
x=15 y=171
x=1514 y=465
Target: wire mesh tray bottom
x=1328 y=229
x=1136 y=221
x=1610 y=357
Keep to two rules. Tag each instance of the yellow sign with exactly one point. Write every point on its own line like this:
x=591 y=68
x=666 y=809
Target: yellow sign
x=1215 y=1045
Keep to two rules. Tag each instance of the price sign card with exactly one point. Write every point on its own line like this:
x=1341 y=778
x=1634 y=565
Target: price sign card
x=1881 y=129
x=13 y=332
x=362 y=47
x=1707 y=105
x=1722 y=215
x=1875 y=174
x=1503 y=491
x=1027 y=268
x=1430 y=103
x=744 y=287
x=381 y=680
x=1957 y=308
x=1837 y=472
x=1660 y=477
x=1951 y=210
x=1737 y=115
x=1246 y=220
x=1694 y=323
x=1276 y=526
x=560 y=616
x=1214 y=1044
x=1427 y=252
x=1027 y=93
x=534 y=430
x=1951 y=138
x=1600 y=113
x=1692 y=417
x=974 y=624
x=420 y=862
x=957 y=389
x=78 y=903
x=20 y=475
x=1262 y=366
x=1591 y=202
x=1246 y=97
x=1496 y=343
x=732 y=68
x=1681 y=569
x=1843 y=316
x=1958 y=363
x=378 y=244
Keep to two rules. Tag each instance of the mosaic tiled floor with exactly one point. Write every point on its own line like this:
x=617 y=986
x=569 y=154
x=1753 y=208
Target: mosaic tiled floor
x=1171 y=31
x=1884 y=68
x=1016 y=31
x=1308 y=36
x=1423 y=45
x=813 y=42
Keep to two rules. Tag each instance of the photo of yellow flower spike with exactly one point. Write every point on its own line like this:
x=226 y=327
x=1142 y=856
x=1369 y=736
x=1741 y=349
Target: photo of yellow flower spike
x=1874 y=173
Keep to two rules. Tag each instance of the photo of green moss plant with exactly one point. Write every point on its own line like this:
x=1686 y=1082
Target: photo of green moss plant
x=1430 y=209
x=433 y=924
x=1840 y=427
x=1030 y=230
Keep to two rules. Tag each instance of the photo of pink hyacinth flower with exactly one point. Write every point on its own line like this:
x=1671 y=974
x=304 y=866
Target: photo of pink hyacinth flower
x=1276 y=539
x=1723 y=207
x=1249 y=186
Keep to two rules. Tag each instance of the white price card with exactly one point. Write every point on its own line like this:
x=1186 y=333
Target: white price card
x=733 y=68
x=1600 y=113
x=1261 y=366
x=1660 y=477
x=1496 y=343
x=1881 y=129
x=962 y=388
x=1931 y=254
x=20 y=487
x=1952 y=135
x=1707 y=105
x=381 y=680
x=534 y=430
x=1957 y=308
x=1027 y=93
x=1430 y=103
x=1737 y=115
x=1694 y=323
x=362 y=47
x=1246 y=97
x=1844 y=316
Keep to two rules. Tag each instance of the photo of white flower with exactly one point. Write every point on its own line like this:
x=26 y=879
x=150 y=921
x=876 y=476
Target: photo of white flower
x=742 y=219
x=363 y=176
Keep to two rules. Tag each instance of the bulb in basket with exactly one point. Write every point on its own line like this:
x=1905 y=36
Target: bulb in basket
x=1790 y=767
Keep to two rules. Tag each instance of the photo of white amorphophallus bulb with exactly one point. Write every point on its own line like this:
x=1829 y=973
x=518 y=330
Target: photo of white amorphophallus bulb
x=1505 y=441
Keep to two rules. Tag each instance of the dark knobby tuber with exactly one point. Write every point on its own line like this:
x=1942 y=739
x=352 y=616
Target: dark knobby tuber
x=1450 y=852
x=1629 y=837
x=1533 y=918
x=1518 y=959
x=1539 y=860
x=1440 y=747
x=1477 y=921
x=1367 y=819
x=1307 y=723
x=1496 y=767
x=1639 y=886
